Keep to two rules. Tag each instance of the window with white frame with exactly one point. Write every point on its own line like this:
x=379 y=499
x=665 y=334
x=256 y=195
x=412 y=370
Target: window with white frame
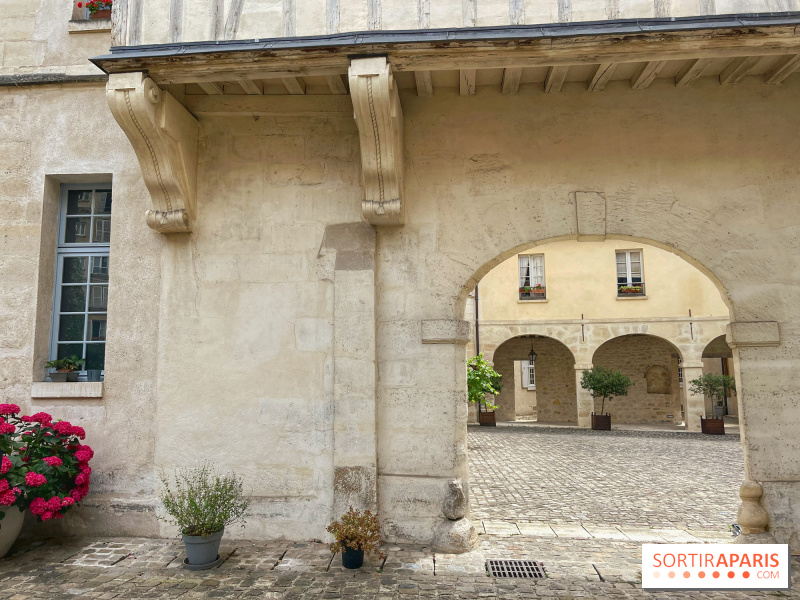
x=528 y=375
x=81 y=295
x=531 y=276
x=630 y=277
x=680 y=372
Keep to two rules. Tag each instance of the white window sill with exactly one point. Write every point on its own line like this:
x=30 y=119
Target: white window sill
x=89 y=26
x=632 y=298
x=69 y=389
x=532 y=301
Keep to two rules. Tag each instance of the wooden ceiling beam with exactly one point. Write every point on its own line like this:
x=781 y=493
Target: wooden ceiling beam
x=737 y=69
x=647 y=74
x=211 y=88
x=294 y=85
x=511 y=79
x=251 y=87
x=424 y=83
x=555 y=79
x=466 y=82
x=336 y=84
x=270 y=105
x=602 y=75
x=691 y=72
x=785 y=66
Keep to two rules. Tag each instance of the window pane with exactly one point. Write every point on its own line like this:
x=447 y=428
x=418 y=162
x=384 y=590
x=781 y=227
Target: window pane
x=75 y=269
x=102 y=202
x=97 y=328
x=95 y=356
x=98 y=298
x=73 y=298
x=79 y=202
x=99 y=272
x=70 y=328
x=77 y=230
x=102 y=230
x=67 y=350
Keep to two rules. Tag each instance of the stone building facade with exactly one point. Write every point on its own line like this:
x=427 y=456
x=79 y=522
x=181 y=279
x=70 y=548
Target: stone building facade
x=287 y=284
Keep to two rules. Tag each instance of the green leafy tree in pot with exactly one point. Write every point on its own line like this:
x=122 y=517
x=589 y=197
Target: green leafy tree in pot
x=482 y=379
x=605 y=383
x=716 y=387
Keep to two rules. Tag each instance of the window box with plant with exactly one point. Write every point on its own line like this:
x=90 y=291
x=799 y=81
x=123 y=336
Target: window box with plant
x=355 y=534
x=535 y=292
x=66 y=369
x=97 y=9
x=202 y=501
x=630 y=274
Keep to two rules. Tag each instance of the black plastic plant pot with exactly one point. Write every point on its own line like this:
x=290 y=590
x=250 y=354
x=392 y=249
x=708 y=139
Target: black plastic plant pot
x=352 y=559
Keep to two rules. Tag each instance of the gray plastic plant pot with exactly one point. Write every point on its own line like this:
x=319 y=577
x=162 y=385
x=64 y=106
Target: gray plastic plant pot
x=203 y=550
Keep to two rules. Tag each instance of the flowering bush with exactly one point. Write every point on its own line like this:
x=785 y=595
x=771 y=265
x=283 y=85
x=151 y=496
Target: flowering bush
x=358 y=531
x=95 y=5
x=44 y=467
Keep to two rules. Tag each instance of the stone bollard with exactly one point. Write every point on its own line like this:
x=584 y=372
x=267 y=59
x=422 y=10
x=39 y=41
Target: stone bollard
x=456 y=534
x=752 y=517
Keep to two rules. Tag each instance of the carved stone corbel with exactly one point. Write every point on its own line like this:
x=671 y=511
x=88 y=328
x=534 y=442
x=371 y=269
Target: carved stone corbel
x=379 y=116
x=164 y=135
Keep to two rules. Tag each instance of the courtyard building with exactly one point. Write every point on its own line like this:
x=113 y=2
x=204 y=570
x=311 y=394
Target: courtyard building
x=259 y=222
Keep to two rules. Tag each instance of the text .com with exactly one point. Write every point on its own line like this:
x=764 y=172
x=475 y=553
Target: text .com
x=715 y=566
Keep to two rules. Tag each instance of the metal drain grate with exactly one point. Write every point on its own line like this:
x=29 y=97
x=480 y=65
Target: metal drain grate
x=528 y=569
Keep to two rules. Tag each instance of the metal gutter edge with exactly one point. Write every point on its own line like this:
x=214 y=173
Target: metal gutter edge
x=362 y=40
x=49 y=79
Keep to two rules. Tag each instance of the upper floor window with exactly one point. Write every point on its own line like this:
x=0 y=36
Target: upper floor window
x=531 y=277
x=630 y=278
x=81 y=297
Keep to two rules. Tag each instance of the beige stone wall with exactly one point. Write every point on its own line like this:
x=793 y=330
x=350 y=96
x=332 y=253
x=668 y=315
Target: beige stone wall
x=524 y=398
x=635 y=356
x=555 y=380
x=273 y=18
x=39 y=37
x=580 y=279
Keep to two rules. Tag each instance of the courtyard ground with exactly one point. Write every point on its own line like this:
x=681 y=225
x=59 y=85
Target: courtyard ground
x=518 y=477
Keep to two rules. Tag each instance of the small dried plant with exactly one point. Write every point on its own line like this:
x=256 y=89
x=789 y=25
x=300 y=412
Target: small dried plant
x=201 y=500
x=358 y=531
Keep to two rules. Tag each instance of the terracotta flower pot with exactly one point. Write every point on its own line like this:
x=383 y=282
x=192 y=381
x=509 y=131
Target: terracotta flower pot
x=101 y=14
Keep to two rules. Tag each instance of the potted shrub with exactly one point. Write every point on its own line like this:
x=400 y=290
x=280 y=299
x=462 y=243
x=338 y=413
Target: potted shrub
x=98 y=9
x=202 y=501
x=66 y=369
x=716 y=388
x=356 y=533
x=606 y=384
x=482 y=379
x=43 y=468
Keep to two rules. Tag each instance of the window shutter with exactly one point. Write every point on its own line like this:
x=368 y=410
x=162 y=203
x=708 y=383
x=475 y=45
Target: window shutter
x=524 y=372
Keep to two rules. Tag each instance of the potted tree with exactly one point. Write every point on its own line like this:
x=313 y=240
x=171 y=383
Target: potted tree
x=715 y=387
x=66 y=369
x=482 y=379
x=606 y=384
x=355 y=534
x=201 y=501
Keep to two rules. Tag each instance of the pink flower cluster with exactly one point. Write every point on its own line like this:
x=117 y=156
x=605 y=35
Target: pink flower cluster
x=34 y=479
x=9 y=409
x=5 y=465
x=8 y=495
x=65 y=428
x=49 y=509
x=6 y=427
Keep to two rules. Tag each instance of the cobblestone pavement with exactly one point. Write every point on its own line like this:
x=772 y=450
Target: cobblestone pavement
x=125 y=568
x=633 y=479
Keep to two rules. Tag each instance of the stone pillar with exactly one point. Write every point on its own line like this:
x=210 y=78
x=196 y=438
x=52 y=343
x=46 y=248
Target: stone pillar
x=585 y=402
x=695 y=404
x=354 y=412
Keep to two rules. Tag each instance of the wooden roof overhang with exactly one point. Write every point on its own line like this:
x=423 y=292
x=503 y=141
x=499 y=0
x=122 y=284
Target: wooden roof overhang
x=552 y=45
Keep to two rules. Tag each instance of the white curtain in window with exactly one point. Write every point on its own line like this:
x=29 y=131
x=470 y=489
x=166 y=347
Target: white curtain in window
x=531 y=270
